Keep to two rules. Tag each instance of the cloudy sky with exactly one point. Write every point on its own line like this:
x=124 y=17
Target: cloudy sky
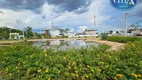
x=76 y=15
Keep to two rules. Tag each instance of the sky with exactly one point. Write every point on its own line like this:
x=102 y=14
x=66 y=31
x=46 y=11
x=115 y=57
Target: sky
x=77 y=15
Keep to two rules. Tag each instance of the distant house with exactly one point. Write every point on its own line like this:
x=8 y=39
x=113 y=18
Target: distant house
x=70 y=34
x=90 y=32
x=140 y=31
x=134 y=32
x=54 y=32
x=116 y=33
x=87 y=33
x=80 y=34
x=15 y=36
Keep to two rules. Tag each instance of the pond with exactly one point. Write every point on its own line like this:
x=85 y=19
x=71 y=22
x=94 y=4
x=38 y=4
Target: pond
x=64 y=44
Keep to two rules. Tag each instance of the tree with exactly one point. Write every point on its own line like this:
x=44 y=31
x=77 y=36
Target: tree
x=29 y=33
x=135 y=26
x=110 y=32
x=4 y=32
x=66 y=30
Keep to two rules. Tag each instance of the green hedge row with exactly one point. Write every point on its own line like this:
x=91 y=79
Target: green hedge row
x=122 y=39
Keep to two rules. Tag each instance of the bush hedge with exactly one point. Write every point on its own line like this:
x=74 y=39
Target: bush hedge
x=122 y=39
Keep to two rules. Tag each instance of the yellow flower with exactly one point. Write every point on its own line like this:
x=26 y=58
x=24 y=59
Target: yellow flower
x=28 y=71
x=88 y=66
x=139 y=75
x=119 y=75
x=115 y=78
x=44 y=50
x=102 y=63
x=10 y=74
x=99 y=70
x=49 y=78
x=45 y=54
x=39 y=70
x=76 y=75
x=18 y=64
x=76 y=72
x=46 y=70
x=18 y=71
x=134 y=75
x=64 y=58
x=133 y=44
x=16 y=67
x=116 y=58
x=91 y=69
x=6 y=69
x=90 y=74
x=86 y=76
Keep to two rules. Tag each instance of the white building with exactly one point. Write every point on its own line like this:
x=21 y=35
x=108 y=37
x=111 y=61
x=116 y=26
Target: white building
x=54 y=32
x=70 y=34
x=90 y=33
x=87 y=33
x=15 y=36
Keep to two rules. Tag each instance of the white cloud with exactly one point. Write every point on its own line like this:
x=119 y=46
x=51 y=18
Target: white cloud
x=82 y=29
x=100 y=8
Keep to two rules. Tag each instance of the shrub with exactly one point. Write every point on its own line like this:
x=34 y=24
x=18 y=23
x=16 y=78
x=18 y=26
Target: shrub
x=104 y=36
x=25 y=62
x=122 y=39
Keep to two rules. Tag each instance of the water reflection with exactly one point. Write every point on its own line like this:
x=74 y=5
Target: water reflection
x=63 y=44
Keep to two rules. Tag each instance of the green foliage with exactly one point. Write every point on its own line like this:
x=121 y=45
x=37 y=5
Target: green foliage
x=4 y=33
x=66 y=30
x=61 y=36
x=104 y=36
x=12 y=36
x=135 y=26
x=29 y=33
x=25 y=62
x=122 y=39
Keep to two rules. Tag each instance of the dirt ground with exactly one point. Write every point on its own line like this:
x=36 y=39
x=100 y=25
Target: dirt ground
x=113 y=45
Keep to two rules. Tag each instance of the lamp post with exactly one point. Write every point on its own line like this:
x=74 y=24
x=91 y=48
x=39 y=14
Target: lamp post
x=94 y=26
x=126 y=23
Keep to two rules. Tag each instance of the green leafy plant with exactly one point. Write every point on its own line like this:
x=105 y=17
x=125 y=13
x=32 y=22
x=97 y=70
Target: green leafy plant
x=25 y=62
x=122 y=39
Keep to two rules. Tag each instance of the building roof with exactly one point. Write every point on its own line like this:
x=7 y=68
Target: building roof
x=54 y=28
x=90 y=30
x=140 y=30
x=80 y=34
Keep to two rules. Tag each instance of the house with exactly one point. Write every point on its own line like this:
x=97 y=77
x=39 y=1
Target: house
x=54 y=32
x=15 y=36
x=140 y=31
x=90 y=33
x=87 y=33
x=80 y=35
x=134 y=32
x=70 y=34
x=116 y=33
